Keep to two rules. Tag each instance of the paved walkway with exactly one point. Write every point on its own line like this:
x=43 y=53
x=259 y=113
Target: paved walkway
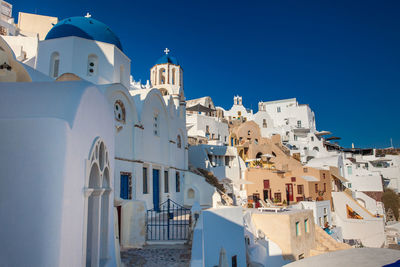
x=156 y=256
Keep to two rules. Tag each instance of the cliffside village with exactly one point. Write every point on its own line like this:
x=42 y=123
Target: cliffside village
x=106 y=164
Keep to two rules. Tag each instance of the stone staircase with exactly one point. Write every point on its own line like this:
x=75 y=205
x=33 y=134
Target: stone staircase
x=325 y=243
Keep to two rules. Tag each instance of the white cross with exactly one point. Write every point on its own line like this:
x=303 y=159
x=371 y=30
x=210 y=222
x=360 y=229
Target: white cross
x=166 y=51
x=88 y=15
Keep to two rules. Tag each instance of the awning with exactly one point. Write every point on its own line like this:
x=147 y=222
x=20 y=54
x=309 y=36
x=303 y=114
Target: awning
x=267 y=155
x=323 y=133
x=221 y=151
x=200 y=108
x=333 y=138
x=335 y=173
x=310 y=178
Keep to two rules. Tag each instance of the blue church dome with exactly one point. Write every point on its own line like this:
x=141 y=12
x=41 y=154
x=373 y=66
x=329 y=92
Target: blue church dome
x=167 y=59
x=84 y=27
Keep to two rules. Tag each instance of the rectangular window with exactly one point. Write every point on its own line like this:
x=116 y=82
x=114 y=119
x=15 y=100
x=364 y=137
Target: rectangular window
x=126 y=186
x=278 y=109
x=293 y=179
x=298 y=124
x=300 y=189
x=312 y=138
x=166 y=182
x=324 y=187
x=227 y=161
x=323 y=175
x=306 y=226
x=177 y=182
x=266 y=184
x=305 y=169
x=325 y=211
x=145 y=185
x=316 y=188
x=349 y=170
x=295 y=137
x=297 y=228
x=277 y=197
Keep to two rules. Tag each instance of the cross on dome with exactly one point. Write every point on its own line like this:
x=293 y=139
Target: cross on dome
x=166 y=51
x=88 y=15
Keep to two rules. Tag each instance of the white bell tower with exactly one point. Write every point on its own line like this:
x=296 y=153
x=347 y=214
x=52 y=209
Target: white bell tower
x=167 y=76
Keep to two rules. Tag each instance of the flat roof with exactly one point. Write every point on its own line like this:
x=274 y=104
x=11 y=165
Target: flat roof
x=366 y=257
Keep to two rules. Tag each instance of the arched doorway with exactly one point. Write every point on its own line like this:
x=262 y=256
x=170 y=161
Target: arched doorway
x=97 y=194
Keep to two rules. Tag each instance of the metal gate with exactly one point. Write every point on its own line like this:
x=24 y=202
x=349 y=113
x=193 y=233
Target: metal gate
x=170 y=222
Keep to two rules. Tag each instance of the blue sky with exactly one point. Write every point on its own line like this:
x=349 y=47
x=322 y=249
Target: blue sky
x=340 y=57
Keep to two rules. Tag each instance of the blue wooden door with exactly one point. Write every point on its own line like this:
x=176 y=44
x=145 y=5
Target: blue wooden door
x=156 y=189
x=124 y=187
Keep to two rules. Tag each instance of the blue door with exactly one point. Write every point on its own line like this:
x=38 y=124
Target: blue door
x=156 y=189
x=124 y=187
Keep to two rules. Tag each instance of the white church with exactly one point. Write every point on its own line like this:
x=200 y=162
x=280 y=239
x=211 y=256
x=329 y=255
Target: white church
x=87 y=151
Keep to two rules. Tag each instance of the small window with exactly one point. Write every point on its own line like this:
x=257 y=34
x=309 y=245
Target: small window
x=190 y=194
x=307 y=230
x=325 y=211
x=266 y=184
x=305 y=169
x=155 y=125
x=312 y=138
x=293 y=179
x=54 y=64
x=349 y=170
x=277 y=197
x=300 y=189
x=119 y=111
x=278 y=109
x=92 y=65
x=316 y=188
x=264 y=123
x=227 y=160
x=239 y=113
x=298 y=228
x=177 y=182
x=295 y=137
x=298 y=124
x=248 y=132
x=348 y=185
x=145 y=182
x=323 y=175
x=166 y=182
x=178 y=141
x=324 y=187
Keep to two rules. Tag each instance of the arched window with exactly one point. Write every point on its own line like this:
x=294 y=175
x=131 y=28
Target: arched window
x=162 y=76
x=258 y=156
x=316 y=148
x=178 y=141
x=97 y=197
x=173 y=80
x=54 y=64
x=92 y=65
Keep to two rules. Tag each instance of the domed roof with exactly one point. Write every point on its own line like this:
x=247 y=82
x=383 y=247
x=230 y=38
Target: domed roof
x=167 y=59
x=84 y=27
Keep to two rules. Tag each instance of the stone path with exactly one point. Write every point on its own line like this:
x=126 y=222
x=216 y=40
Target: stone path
x=157 y=255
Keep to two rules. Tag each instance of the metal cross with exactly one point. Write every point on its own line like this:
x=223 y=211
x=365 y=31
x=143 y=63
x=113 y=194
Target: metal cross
x=88 y=15
x=166 y=51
